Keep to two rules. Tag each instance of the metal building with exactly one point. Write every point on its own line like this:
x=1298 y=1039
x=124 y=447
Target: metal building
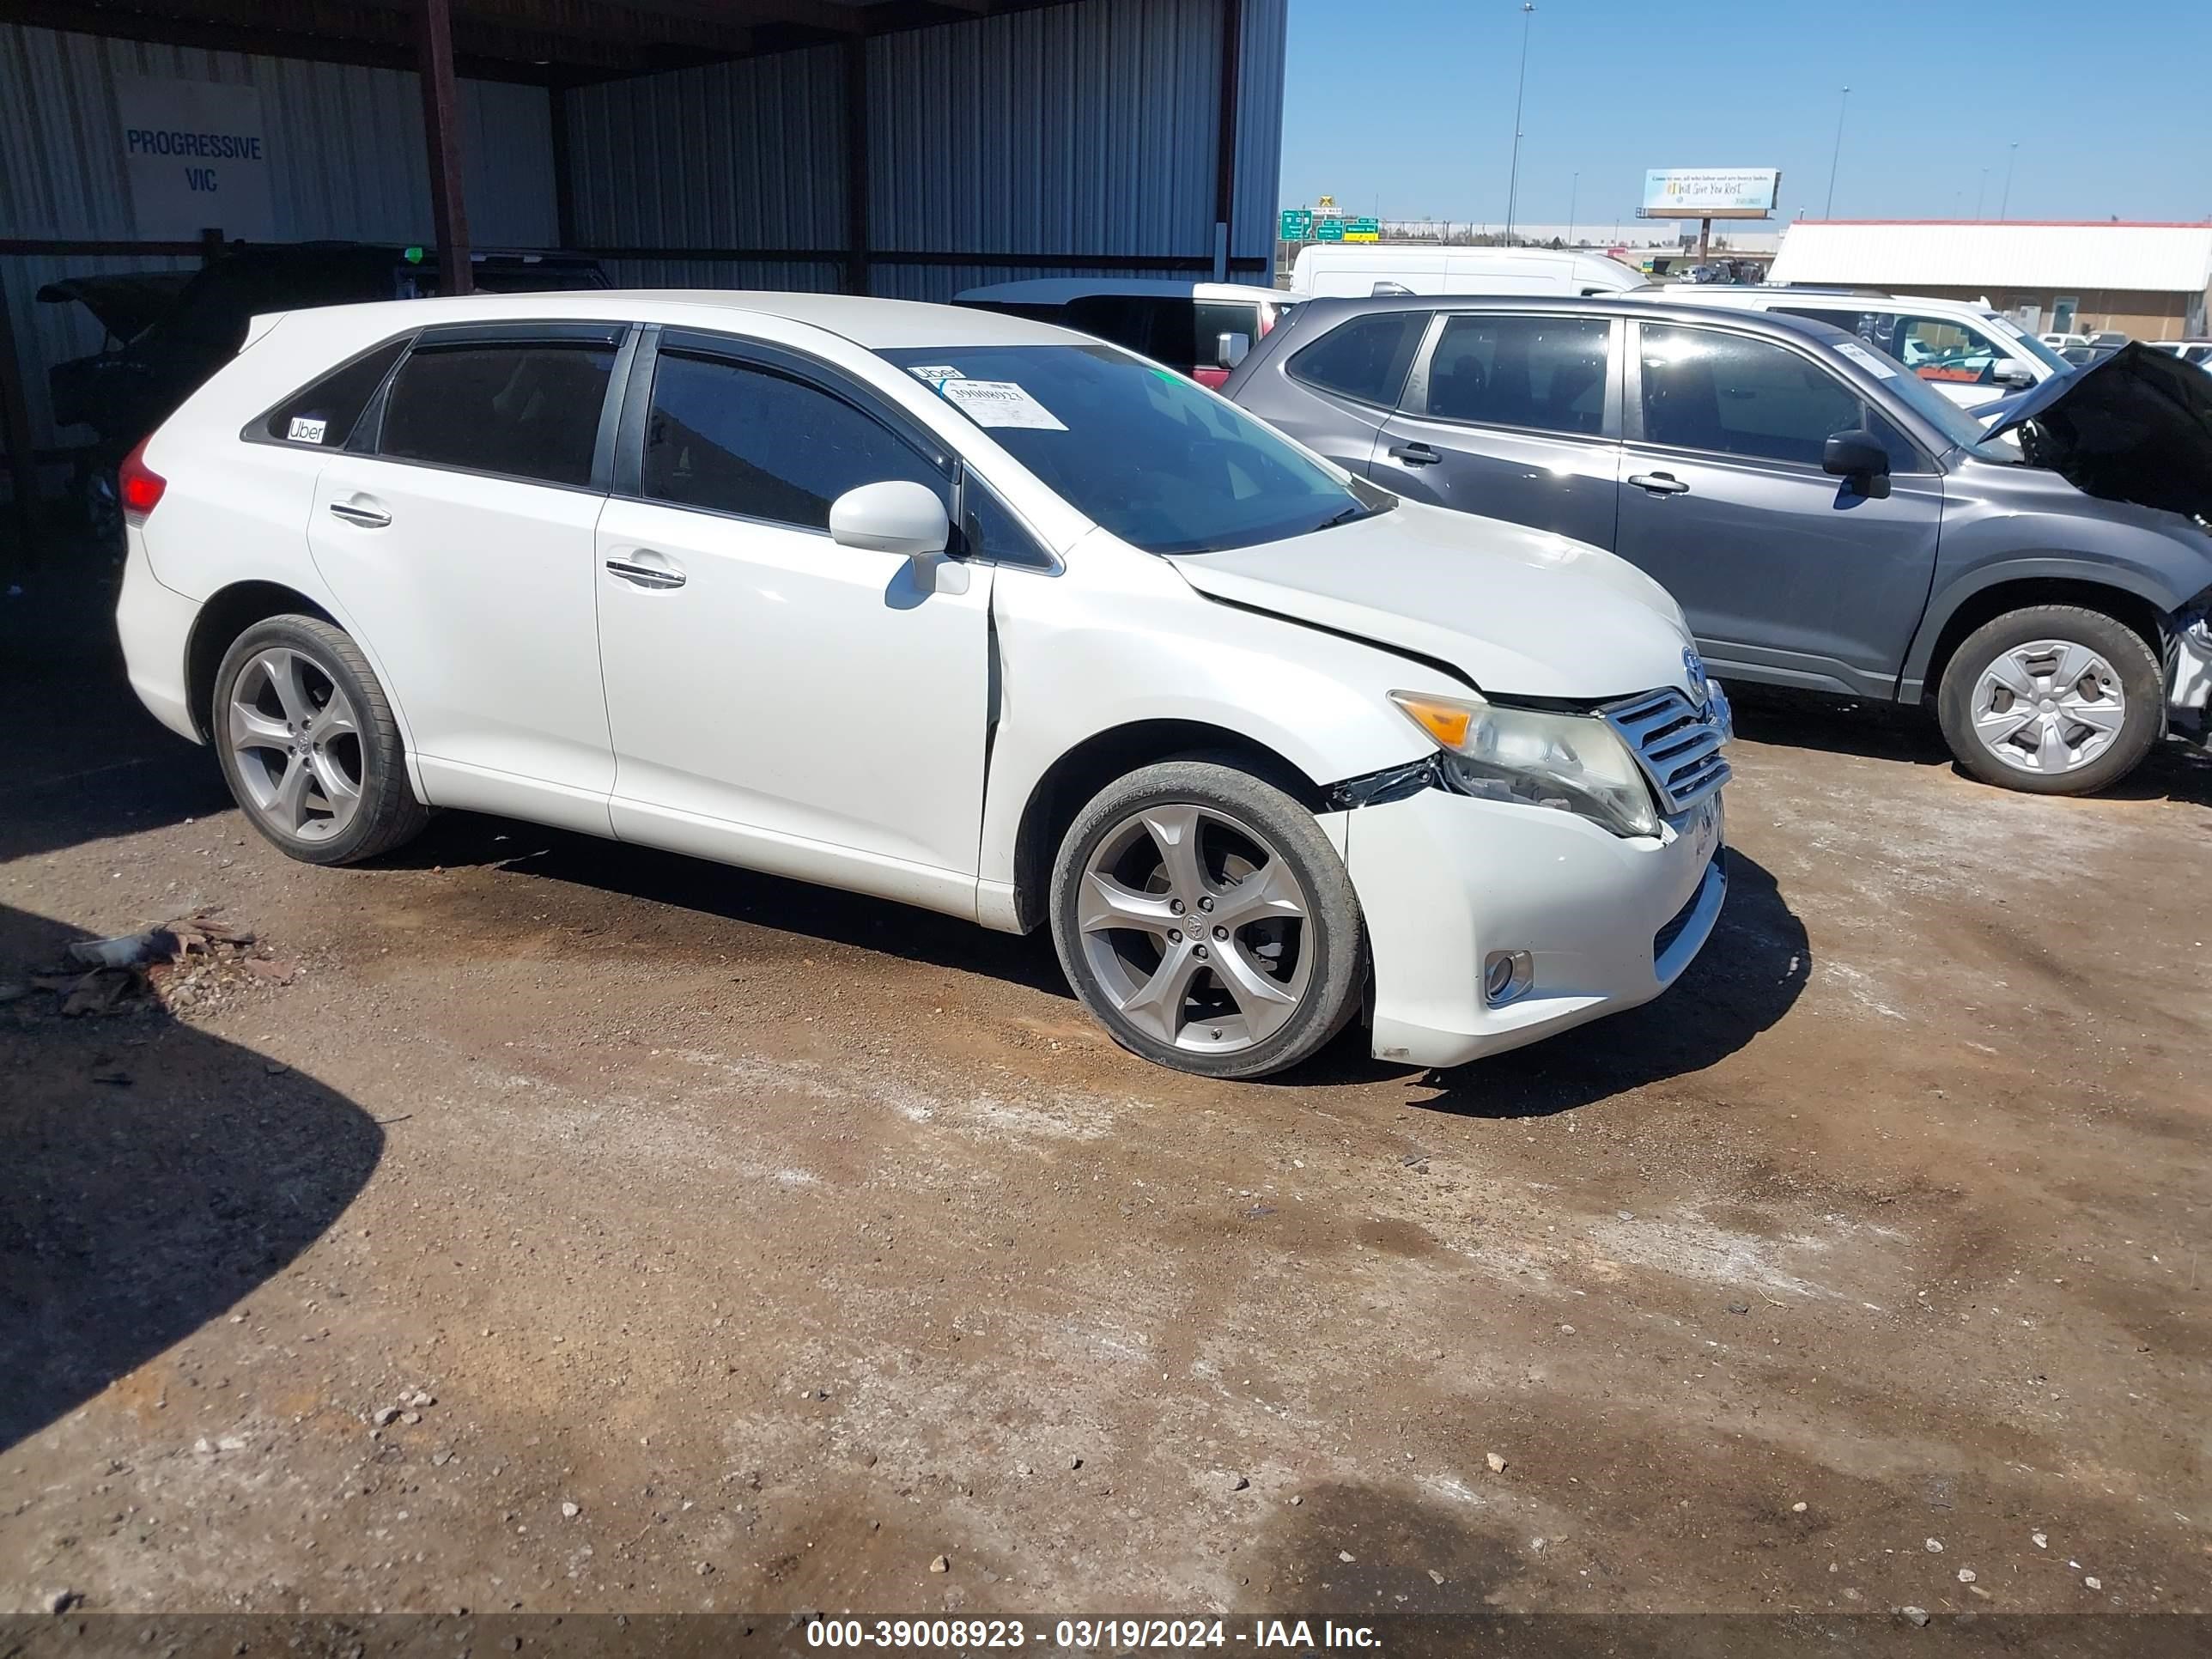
x=892 y=147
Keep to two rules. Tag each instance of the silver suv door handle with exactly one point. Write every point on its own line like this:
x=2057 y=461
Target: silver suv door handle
x=1660 y=484
x=368 y=518
x=645 y=575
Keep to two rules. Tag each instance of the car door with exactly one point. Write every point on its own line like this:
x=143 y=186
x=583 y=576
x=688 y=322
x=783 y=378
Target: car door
x=1334 y=390
x=457 y=534
x=1786 y=574
x=1514 y=415
x=777 y=699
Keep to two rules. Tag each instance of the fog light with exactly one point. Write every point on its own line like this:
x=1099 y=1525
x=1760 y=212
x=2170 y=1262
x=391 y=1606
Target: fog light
x=1505 y=975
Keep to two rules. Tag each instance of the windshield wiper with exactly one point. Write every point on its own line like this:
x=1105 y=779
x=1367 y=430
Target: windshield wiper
x=1357 y=510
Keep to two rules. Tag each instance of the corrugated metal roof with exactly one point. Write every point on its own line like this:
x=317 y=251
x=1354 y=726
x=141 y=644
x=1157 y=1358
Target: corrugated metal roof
x=2011 y=254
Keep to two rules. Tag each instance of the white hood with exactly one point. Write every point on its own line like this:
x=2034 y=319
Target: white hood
x=1520 y=612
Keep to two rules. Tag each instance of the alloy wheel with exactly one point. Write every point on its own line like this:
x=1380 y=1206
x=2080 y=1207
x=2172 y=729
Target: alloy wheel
x=1196 y=927
x=2049 y=707
x=296 y=741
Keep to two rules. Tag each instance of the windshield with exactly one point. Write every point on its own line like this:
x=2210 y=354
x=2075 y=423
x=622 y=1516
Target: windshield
x=2027 y=343
x=1161 y=463
x=1956 y=423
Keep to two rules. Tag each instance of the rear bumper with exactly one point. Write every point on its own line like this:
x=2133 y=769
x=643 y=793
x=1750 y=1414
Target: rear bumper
x=155 y=626
x=1446 y=881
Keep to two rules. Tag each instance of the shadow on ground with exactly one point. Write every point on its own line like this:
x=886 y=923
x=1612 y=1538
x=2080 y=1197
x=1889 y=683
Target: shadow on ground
x=153 y=1176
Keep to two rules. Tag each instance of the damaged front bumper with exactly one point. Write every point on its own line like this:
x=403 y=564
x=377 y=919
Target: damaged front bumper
x=2189 y=676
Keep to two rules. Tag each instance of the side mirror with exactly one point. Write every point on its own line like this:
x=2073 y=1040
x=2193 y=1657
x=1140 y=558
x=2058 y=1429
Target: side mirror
x=896 y=516
x=2008 y=373
x=1859 y=457
x=1230 y=349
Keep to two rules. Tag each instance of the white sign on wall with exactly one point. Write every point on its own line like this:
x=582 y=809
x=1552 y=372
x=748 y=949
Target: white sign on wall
x=196 y=156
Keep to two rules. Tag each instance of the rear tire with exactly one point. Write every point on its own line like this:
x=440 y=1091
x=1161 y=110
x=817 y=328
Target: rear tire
x=308 y=744
x=2052 y=699
x=1206 y=922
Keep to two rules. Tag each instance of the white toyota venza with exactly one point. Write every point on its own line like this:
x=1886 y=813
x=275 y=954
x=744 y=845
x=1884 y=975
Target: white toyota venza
x=956 y=609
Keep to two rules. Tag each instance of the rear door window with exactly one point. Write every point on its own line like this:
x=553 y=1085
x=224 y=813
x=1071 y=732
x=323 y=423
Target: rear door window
x=1544 y=373
x=1365 y=359
x=521 y=409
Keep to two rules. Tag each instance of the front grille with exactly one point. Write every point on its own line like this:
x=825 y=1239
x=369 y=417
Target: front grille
x=1677 y=744
x=1663 y=941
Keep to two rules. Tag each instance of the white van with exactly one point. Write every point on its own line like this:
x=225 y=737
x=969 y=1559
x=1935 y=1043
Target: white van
x=1334 y=270
x=1200 y=329
x=1970 y=353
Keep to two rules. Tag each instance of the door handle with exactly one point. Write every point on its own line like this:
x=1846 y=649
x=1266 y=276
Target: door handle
x=367 y=518
x=1415 y=454
x=1659 y=484
x=645 y=575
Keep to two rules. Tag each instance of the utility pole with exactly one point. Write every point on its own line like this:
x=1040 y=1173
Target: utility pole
x=1836 y=159
x=2005 y=207
x=1520 y=86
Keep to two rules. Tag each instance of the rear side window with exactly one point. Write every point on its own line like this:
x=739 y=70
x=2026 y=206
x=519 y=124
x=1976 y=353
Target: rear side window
x=524 y=411
x=733 y=438
x=1365 y=359
x=323 y=415
x=1546 y=373
x=1739 y=396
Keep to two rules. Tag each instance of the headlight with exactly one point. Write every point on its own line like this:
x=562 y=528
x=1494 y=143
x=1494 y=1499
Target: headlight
x=1575 y=762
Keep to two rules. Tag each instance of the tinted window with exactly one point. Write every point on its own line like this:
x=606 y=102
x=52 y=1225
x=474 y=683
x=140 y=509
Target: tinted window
x=994 y=532
x=737 y=439
x=1213 y=319
x=324 y=414
x=1739 y=396
x=1160 y=463
x=1365 y=359
x=526 y=411
x=1542 y=371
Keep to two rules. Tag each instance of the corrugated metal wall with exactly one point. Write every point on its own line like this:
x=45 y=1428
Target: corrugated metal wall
x=1083 y=128
x=346 y=160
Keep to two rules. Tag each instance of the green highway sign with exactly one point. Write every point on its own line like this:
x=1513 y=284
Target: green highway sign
x=1328 y=230
x=1363 y=230
x=1297 y=225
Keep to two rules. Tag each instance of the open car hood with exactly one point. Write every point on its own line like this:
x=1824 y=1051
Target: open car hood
x=125 y=305
x=1519 y=612
x=2137 y=426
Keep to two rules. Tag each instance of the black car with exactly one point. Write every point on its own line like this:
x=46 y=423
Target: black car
x=1825 y=519
x=166 y=331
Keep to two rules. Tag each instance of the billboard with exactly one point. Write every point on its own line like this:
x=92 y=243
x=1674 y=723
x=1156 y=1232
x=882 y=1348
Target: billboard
x=1709 y=192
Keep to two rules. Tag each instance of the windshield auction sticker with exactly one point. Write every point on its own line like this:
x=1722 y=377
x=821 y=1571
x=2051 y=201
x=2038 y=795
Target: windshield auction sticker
x=1000 y=403
x=1866 y=360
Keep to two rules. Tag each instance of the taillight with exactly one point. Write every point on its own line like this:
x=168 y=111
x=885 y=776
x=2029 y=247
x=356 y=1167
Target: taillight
x=139 y=486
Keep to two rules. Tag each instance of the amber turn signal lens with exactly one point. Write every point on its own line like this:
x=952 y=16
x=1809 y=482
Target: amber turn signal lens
x=1447 y=722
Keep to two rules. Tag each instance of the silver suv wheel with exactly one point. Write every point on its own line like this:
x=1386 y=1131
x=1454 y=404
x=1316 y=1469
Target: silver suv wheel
x=2049 y=707
x=296 y=743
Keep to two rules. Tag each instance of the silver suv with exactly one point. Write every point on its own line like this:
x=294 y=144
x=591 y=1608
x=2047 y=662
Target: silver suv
x=1824 y=518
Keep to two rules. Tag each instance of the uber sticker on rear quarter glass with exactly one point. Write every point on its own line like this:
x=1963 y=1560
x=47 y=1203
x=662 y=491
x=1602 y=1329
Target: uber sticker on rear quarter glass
x=303 y=430
x=1000 y=403
x=1866 y=360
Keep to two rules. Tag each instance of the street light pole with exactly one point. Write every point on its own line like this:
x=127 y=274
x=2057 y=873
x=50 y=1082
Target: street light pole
x=1836 y=159
x=1520 y=86
x=2005 y=206
x=1980 y=190
x=1574 y=196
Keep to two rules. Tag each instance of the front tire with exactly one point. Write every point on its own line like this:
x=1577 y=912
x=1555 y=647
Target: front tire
x=2053 y=700
x=308 y=743
x=1206 y=922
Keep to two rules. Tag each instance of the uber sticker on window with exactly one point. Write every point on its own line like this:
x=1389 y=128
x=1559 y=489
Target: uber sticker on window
x=1000 y=403
x=936 y=374
x=1866 y=360
x=303 y=430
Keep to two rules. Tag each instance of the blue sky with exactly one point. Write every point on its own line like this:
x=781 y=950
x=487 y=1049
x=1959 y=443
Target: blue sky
x=1409 y=104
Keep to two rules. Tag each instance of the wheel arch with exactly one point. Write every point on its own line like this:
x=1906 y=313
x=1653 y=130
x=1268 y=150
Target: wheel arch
x=2140 y=612
x=1069 y=784
x=228 y=612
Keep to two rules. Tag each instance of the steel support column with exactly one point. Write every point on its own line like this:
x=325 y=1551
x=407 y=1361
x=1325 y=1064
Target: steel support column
x=1224 y=143
x=441 y=132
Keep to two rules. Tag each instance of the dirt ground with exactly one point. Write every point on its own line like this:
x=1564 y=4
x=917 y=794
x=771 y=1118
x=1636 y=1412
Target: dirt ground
x=726 y=1244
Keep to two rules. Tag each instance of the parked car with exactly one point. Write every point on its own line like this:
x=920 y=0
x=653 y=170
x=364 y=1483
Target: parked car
x=2189 y=351
x=2060 y=342
x=1970 y=353
x=1827 y=519
x=1331 y=269
x=166 y=332
x=956 y=609
x=1200 y=329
